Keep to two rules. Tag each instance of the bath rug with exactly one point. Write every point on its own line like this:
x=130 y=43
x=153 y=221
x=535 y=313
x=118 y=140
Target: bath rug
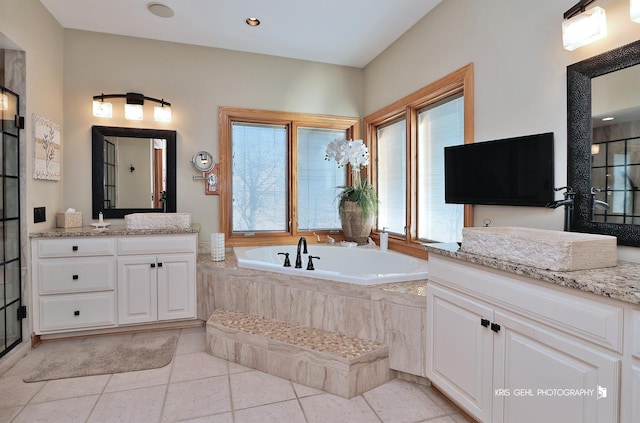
x=104 y=355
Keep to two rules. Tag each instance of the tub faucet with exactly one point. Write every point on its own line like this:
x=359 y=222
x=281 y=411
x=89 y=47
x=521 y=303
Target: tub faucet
x=301 y=242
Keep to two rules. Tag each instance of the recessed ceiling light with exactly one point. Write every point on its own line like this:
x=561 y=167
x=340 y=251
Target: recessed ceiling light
x=608 y=118
x=253 y=21
x=160 y=10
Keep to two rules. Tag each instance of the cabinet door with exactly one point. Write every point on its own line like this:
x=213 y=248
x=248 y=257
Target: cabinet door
x=460 y=349
x=546 y=376
x=137 y=290
x=635 y=393
x=176 y=287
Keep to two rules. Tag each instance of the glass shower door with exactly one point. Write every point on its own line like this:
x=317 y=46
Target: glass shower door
x=10 y=268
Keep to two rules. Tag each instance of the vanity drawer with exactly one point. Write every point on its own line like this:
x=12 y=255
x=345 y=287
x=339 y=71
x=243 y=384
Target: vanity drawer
x=63 y=275
x=172 y=244
x=76 y=247
x=77 y=311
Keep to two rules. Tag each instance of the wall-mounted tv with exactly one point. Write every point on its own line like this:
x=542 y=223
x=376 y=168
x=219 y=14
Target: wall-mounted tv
x=512 y=171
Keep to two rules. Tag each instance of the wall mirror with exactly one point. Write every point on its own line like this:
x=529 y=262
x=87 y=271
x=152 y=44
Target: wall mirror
x=605 y=156
x=134 y=171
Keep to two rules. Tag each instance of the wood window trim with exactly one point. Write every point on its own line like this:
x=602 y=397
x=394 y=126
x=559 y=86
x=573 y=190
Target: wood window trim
x=226 y=117
x=459 y=81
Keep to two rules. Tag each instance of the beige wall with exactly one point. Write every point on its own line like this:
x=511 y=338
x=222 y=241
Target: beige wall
x=520 y=70
x=520 y=74
x=27 y=25
x=196 y=80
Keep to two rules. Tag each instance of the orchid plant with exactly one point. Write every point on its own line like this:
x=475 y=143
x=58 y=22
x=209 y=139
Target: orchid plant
x=356 y=154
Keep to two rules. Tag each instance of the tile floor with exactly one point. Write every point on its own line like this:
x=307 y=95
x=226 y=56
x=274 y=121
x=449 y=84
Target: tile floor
x=196 y=387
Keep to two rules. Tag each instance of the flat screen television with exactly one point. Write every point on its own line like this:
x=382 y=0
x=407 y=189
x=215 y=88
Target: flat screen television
x=511 y=172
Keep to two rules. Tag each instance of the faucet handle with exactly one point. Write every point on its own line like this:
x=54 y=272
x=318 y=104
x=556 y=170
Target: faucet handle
x=287 y=263
x=310 y=263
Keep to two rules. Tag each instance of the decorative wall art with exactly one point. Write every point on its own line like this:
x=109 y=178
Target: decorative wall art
x=46 y=143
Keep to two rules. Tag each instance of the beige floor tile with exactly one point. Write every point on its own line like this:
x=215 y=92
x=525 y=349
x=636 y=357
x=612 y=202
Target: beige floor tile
x=218 y=418
x=192 y=340
x=163 y=334
x=198 y=365
x=445 y=419
x=305 y=391
x=14 y=392
x=136 y=405
x=446 y=404
x=68 y=411
x=140 y=379
x=197 y=329
x=8 y=413
x=238 y=368
x=70 y=388
x=250 y=389
x=197 y=398
x=331 y=408
x=27 y=363
x=399 y=401
x=287 y=411
x=461 y=418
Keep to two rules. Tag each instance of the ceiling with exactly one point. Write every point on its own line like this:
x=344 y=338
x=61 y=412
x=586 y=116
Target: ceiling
x=343 y=32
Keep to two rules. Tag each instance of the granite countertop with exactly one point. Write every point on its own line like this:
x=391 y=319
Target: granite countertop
x=621 y=282
x=112 y=230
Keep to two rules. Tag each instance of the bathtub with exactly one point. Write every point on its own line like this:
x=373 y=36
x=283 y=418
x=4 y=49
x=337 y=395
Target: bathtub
x=358 y=265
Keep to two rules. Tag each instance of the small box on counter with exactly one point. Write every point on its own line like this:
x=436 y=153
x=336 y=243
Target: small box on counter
x=69 y=219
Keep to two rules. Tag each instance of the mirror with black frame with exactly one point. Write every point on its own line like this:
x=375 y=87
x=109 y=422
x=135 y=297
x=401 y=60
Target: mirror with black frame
x=603 y=159
x=134 y=171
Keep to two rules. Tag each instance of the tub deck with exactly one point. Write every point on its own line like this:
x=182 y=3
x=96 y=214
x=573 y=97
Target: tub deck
x=392 y=315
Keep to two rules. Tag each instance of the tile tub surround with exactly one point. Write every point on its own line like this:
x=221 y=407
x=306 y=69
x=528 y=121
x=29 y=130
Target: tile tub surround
x=621 y=282
x=312 y=357
x=392 y=314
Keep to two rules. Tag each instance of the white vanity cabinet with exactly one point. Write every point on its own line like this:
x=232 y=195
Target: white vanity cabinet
x=101 y=282
x=74 y=284
x=154 y=288
x=507 y=349
x=633 y=399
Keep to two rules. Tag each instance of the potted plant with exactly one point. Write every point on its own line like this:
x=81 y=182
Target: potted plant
x=358 y=202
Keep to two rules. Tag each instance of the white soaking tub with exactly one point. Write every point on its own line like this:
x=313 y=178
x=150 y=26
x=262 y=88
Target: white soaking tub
x=362 y=266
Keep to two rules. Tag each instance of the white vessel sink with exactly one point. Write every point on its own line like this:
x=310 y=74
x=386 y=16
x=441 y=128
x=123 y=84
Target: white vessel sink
x=158 y=221
x=540 y=248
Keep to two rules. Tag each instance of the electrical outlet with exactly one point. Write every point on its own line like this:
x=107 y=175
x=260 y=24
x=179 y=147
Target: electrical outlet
x=39 y=214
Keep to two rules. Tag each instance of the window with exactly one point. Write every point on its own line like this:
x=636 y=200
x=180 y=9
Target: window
x=275 y=182
x=407 y=140
x=318 y=180
x=439 y=126
x=392 y=176
x=259 y=168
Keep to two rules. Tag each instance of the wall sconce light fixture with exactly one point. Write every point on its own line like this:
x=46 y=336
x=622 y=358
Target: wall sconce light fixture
x=582 y=27
x=634 y=9
x=133 y=107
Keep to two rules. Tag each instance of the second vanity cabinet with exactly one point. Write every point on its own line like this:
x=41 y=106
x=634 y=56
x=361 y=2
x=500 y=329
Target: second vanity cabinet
x=635 y=367
x=100 y=282
x=508 y=349
x=154 y=286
